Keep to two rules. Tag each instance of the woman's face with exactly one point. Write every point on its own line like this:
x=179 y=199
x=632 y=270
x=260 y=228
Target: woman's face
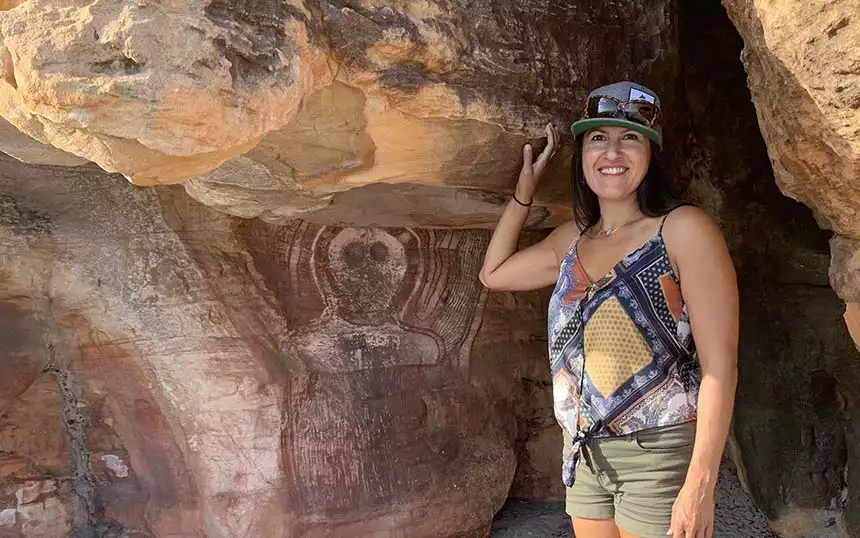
x=615 y=161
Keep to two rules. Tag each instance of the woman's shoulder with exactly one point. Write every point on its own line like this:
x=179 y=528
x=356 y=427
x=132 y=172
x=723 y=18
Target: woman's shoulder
x=568 y=229
x=686 y=219
x=566 y=234
x=689 y=225
x=562 y=238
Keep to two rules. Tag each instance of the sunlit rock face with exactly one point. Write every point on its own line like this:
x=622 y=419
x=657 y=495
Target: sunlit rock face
x=313 y=109
x=803 y=61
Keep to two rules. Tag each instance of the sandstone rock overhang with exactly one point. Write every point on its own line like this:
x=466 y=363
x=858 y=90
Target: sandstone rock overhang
x=281 y=109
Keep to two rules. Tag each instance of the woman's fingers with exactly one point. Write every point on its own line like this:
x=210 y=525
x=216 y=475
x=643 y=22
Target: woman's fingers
x=548 y=151
x=527 y=160
x=533 y=168
x=551 y=139
x=688 y=530
x=678 y=529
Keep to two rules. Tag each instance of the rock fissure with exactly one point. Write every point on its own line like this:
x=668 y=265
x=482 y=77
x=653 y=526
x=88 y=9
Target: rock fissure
x=89 y=521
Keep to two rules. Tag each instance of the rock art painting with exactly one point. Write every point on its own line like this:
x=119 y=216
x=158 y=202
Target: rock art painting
x=380 y=410
x=180 y=372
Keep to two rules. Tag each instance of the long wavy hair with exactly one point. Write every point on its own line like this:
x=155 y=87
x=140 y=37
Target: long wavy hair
x=654 y=196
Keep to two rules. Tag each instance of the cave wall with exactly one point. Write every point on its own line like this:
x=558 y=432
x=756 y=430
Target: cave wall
x=797 y=411
x=199 y=376
x=180 y=372
x=177 y=371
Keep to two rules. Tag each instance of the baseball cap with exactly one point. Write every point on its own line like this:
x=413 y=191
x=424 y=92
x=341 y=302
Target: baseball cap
x=623 y=104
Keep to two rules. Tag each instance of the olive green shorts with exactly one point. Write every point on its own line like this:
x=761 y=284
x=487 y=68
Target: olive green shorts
x=632 y=479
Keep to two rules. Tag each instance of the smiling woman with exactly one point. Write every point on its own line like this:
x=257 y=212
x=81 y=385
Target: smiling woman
x=618 y=156
x=643 y=326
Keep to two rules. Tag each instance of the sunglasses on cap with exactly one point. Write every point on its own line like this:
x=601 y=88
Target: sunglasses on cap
x=638 y=110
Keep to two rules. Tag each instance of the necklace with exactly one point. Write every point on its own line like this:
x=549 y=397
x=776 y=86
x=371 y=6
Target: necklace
x=609 y=231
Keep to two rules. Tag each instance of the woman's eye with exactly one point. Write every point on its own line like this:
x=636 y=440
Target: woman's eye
x=631 y=136
x=596 y=137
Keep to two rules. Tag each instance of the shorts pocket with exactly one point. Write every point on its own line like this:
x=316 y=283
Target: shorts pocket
x=672 y=439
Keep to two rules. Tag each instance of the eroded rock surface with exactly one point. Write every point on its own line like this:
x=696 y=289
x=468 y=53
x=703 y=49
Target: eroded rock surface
x=308 y=104
x=181 y=372
x=803 y=62
x=176 y=371
x=797 y=413
x=20 y=146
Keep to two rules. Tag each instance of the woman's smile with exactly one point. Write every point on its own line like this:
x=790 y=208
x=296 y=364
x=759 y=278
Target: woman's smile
x=613 y=171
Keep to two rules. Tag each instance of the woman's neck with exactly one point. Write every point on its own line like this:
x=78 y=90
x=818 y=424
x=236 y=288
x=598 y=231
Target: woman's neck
x=616 y=213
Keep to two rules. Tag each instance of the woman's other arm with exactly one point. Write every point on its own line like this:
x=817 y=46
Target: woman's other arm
x=709 y=287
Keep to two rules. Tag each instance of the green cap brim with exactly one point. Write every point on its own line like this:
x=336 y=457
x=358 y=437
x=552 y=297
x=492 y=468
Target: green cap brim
x=581 y=126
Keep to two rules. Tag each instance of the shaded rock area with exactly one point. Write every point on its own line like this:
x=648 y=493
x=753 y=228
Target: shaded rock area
x=797 y=401
x=24 y=148
x=181 y=372
x=797 y=409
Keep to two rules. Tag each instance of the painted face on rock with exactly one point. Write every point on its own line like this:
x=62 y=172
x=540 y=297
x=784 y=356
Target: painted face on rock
x=367 y=270
x=615 y=161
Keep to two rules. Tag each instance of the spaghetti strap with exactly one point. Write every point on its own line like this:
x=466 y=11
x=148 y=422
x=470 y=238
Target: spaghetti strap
x=575 y=242
x=662 y=222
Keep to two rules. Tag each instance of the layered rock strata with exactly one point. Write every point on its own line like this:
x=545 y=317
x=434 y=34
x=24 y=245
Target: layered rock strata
x=304 y=109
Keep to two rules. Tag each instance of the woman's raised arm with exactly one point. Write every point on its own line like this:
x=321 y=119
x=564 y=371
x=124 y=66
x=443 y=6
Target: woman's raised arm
x=536 y=266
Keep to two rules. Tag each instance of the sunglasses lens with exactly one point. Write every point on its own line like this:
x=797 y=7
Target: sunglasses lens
x=602 y=107
x=641 y=112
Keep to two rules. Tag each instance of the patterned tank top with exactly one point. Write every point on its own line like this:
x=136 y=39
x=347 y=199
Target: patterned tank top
x=621 y=352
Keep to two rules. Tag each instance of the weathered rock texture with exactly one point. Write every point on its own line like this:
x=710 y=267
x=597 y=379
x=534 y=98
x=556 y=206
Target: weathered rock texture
x=177 y=372
x=312 y=104
x=210 y=378
x=803 y=61
x=798 y=407
x=16 y=144
x=180 y=372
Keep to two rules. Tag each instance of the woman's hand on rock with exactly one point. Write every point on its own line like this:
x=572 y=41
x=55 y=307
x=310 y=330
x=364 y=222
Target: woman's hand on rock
x=533 y=169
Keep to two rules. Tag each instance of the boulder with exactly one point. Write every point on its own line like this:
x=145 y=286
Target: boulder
x=803 y=63
x=304 y=108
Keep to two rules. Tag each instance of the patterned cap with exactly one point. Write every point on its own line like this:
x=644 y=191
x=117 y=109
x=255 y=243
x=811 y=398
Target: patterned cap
x=623 y=91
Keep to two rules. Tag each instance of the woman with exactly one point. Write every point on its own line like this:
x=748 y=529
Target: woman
x=639 y=278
